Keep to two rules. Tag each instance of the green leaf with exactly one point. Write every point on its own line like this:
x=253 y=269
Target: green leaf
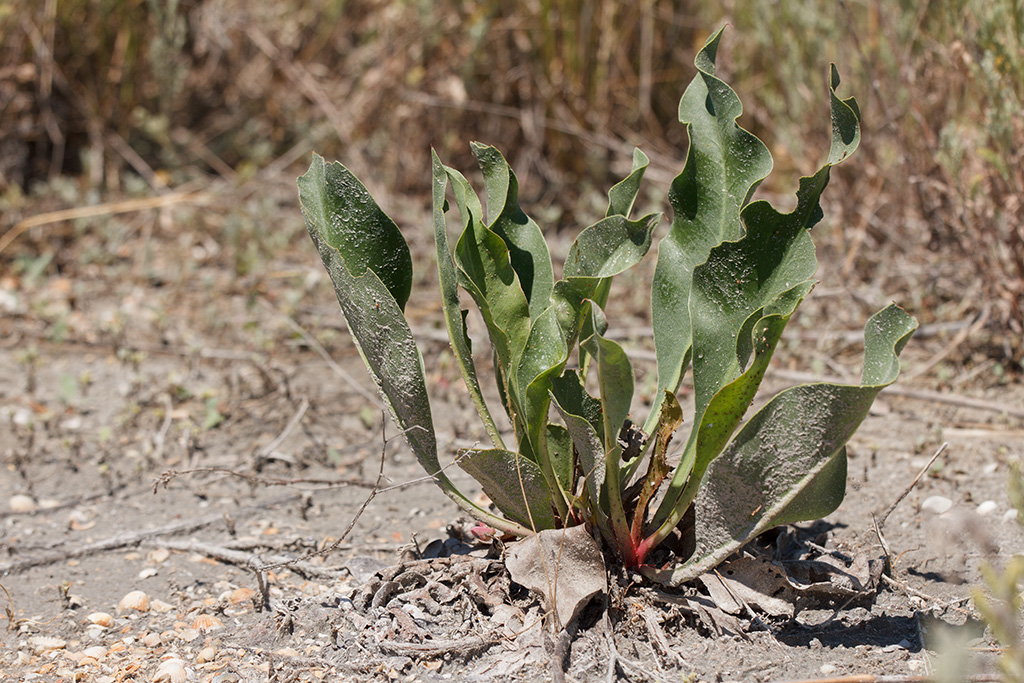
x=514 y=483
x=610 y=246
x=582 y=416
x=528 y=252
x=788 y=463
x=372 y=312
x=724 y=165
x=615 y=380
x=622 y=195
x=751 y=284
x=486 y=272
x=348 y=219
x=607 y=248
x=454 y=316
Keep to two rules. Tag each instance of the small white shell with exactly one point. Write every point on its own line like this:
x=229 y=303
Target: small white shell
x=46 y=643
x=21 y=503
x=136 y=600
x=187 y=634
x=240 y=595
x=96 y=652
x=161 y=606
x=207 y=622
x=171 y=671
x=151 y=639
x=101 y=619
x=207 y=654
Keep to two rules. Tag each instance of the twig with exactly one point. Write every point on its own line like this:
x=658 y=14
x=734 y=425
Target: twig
x=300 y=412
x=170 y=475
x=65 y=505
x=128 y=538
x=465 y=648
x=561 y=653
x=658 y=636
x=352 y=522
x=936 y=603
x=242 y=558
x=322 y=352
x=109 y=209
x=924 y=470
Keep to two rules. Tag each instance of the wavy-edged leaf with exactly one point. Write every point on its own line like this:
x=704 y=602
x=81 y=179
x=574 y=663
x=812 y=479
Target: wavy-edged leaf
x=724 y=165
x=622 y=195
x=736 y=290
x=372 y=312
x=514 y=483
x=528 y=250
x=610 y=246
x=454 y=316
x=788 y=463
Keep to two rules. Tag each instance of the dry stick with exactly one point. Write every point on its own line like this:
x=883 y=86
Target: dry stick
x=109 y=209
x=936 y=603
x=259 y=568
x=959 y=339
x=170 y=475
x=322 y=352
x=892 y=581
x=129 y=538
x=243 y=558
x=300 y=412
x=899 y=499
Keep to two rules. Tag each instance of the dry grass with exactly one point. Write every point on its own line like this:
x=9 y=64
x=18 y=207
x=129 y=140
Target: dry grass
x=140 y=97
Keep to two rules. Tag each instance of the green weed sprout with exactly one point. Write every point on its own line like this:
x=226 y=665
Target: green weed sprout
x=730 y=273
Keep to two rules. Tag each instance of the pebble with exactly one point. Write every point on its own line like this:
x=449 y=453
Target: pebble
x=827 y=669
x=1009 y=515
x=937 y=504
x=987 y=507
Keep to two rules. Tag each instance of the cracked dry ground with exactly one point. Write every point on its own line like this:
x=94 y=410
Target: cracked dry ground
x=165 y=359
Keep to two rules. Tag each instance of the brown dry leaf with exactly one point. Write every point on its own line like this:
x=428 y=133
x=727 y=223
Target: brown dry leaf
x=750 y=581
x=564 y=562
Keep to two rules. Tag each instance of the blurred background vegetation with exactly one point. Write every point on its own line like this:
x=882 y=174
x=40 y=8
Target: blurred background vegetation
x=102 y=100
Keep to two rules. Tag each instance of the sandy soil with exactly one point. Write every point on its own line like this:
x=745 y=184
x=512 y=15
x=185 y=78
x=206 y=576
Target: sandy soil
x=166 y=424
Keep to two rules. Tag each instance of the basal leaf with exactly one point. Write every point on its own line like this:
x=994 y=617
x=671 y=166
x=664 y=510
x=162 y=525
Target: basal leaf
x=348 y=219
x=486 y=272
x=372 y=312
x=724 y=165
x=788 y=463
x=514 y=483
x=528 y=251
x=622 y=195
x=760 y=277
x=454 y=316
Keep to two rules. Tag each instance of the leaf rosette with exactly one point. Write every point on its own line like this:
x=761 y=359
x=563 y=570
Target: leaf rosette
x=730 y=274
